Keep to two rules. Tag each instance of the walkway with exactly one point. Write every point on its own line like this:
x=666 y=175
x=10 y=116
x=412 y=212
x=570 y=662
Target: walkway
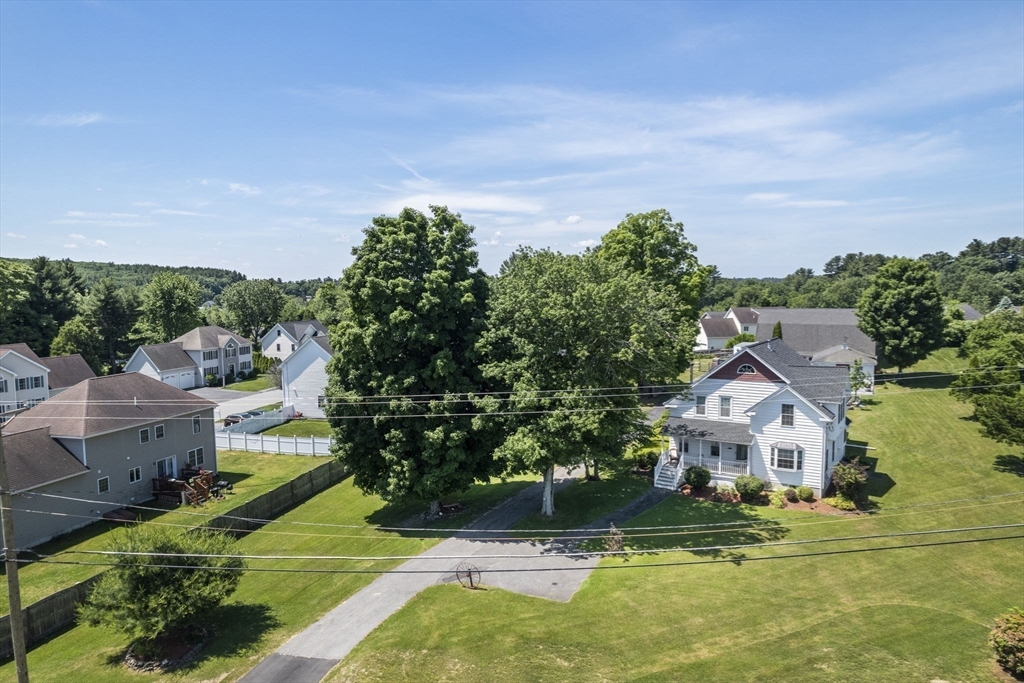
x=309 y=655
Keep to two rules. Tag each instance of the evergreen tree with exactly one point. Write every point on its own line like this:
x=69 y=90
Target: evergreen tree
x=416 y=303
x=859 y=380
x=902 y=311
x=112 y=312
x=777 y=330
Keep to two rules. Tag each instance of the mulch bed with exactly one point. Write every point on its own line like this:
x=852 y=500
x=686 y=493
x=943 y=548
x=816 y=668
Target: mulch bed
x=173 y=650
x=711 y=494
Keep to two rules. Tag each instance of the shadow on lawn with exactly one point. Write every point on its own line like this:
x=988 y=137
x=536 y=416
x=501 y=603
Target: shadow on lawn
x=1010 y=464
x=478 y=499
x=920 y=380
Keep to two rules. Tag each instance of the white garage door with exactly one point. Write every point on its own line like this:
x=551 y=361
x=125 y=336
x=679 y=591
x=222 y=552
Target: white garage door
x=170 y=379
x=187 y=380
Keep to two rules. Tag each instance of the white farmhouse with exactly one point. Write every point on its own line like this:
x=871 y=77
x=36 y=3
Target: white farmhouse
x=767 y=411
x=283 y=339
x=304 y=376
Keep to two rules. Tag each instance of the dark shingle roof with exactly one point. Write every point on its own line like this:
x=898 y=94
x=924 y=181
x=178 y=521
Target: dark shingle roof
x=66 y=371
x=718 y=327
x=169 y=356
x=840 y=354
x=970 y=312
x=208 y=337
x=817 y=384
x=810 y=330
x=105 y=404
x=714 y=314
x=21 y=349
x=324 y=343
x=747 y=316
x=730 y=432
x=34 y=459
x=296 y=328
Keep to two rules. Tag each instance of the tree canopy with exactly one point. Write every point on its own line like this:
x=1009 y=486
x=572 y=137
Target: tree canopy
x=112 y=311
x=170 y=306
x=253 y=306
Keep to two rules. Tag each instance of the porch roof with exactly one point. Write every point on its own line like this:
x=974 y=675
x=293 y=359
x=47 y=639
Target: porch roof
x=709 y=430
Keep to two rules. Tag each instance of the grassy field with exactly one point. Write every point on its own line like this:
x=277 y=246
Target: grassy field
x=300 y=428
x=904 y=614
x=259 y=383
x=269 y=608
x=251 y=474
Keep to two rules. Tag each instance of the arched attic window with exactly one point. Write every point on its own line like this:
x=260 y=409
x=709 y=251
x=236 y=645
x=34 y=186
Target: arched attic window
x=746 y=369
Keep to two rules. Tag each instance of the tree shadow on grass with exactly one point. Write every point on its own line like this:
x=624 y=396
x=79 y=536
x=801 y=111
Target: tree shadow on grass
x=921 y=380
x=1010 y=464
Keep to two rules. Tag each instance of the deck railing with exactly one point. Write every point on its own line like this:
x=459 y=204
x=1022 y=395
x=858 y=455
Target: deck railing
x=717 y=465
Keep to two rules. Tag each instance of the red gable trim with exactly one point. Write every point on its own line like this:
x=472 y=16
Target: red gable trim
x=727 y=371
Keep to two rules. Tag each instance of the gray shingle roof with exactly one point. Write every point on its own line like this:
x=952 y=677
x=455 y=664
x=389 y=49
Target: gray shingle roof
x=840 y=354
x=324 y=343
x=718 y=327
x=66 y=371
x=109 y=403
x=296 y=328
x=208 y=337
x=169 y=356
x=810 y=330
x=34 y=459
x=745 y=315
x=712 y=430
x=815 y=383
x=970 y=312
x=21 y=349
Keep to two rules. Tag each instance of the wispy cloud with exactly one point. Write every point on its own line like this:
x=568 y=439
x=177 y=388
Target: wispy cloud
x=468 y=200
x=16 y=236
x=179 y=212
x=494 y=241
x=570 y=220
x=786 y=200
x=242 y=188
x=110 y=220
x=81 y=239
x=586 y=243
x=67 y=120
x=71 y=246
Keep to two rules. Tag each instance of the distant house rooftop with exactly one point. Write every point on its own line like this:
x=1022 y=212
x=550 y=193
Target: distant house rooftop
x=66 y=371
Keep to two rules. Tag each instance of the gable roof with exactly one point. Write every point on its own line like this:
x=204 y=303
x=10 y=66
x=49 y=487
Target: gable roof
x=34 y=459
x=21 y=349
x=745 y=315
x=840 y=354
x=814 y=383
x=718 y=327
x=169 y=356
x=714 y=314
x=107 y=404
x=297 y=328
x=970 y=312
x=66 y=371
x=208 y=337
x=320 y=340
x=810 y=330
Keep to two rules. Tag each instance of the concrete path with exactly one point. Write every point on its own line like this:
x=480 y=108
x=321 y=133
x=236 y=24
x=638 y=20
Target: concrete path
x=308 y=656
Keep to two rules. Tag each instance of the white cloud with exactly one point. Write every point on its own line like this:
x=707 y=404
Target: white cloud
x=68 y=120
x=570 y=220
x=76 y=236
x=100 y=243
x=178 y=212
x=71 y=246
x=467 y=201
x=494 y=239
x=242 y=188
x=786 y=200
x=342 y=238
x=16 y=236
x=585 y=243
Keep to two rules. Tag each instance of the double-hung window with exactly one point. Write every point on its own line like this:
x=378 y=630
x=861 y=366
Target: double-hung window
x=195 y=457
x=716 y=449
x=787 y=458
x=134 y=475
x=787 y=414
x=22 y=383
x=144 y=435
x=158 y=432
x=741 y=451
x=702 y=408
x=725 y=406
x=321 y=401
x=197 y=424
x=3 y=386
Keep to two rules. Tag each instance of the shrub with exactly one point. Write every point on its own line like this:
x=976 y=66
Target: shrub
x=698 y=477
x=749 y=487
x=739 y=339
x=777 y=499
x=143 y=597
x=1007 y=639
x=791 y=495
x=805 y=493
x=840 y=502
x=211 y=380
x=849 y=477
x=614 y=540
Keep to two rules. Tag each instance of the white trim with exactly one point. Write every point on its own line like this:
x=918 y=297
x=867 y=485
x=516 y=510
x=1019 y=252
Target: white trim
x=38 y=365
x=52 y=481
x=708 y=374
x=752 y=409
x=106 y=479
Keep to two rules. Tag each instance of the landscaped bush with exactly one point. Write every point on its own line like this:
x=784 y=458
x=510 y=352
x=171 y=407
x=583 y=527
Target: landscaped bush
x=840 y=502
x=849 y=478
x=698 y=477
x=1007 y=639
x=777 y=499
x=791 y=495
x=805 y=493
x=211 y=380
x=229 y=378
x=749 y=487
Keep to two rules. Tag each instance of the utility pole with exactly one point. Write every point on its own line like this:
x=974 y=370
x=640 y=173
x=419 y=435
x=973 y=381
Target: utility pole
x=11 y=565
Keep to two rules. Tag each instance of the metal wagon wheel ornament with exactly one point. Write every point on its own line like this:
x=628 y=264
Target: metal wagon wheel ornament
x=468 y=575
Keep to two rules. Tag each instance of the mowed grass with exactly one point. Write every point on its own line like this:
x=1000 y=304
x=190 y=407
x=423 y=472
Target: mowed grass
x=252 y=474
x=903 y=614
x=321 y=428
x=258 y=383
x=269 y=608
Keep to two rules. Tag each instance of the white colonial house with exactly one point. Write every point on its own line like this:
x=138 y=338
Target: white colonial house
x=304 y=376
x=766 y=411
x=186 y=361
x=26 y=379
x=283 y=339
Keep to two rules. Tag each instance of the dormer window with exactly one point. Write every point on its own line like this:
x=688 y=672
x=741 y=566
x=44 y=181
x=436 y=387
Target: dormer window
x=746 y=369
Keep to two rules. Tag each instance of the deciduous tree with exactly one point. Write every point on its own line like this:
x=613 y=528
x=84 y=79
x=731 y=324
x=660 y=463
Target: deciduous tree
x=76 y=336
x=170 y=306
x=254 y=306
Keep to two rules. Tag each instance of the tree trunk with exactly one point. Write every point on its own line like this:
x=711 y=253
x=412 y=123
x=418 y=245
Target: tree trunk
x=547 y=507
x=597 y=474
x=586 y=469
x=435 y=508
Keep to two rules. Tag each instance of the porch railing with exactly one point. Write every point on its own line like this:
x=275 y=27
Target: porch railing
x=717 y=465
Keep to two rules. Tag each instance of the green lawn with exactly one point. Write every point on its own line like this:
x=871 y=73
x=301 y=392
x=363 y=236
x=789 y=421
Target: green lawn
x=913 y=614
x=269 y=608
x=302 y=427
x=259 y=383
x=251 y=474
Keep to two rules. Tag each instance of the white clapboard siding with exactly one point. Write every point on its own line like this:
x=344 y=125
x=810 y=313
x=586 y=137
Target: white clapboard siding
x=807 y=431
x=304 y=379
x=744 y=395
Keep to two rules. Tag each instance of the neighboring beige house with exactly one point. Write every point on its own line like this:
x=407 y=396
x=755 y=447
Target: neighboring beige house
x=103 y=441
x=66 y=371
x=304 y=376
x=283 y=339
x=187 y=360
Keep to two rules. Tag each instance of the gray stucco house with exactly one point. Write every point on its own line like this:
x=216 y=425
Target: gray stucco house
x=103 y=441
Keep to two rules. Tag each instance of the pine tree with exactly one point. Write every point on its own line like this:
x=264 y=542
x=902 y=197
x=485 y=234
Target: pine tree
x=777 y=330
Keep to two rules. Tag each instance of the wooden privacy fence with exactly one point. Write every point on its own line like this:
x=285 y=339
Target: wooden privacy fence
x=58 y=610
x=282 y=445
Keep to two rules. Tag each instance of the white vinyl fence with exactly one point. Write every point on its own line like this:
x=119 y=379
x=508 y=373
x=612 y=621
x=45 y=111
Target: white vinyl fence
x=283 y=445
x=265 y=421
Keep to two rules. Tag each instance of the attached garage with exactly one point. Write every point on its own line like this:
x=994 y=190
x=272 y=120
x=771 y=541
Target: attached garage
x=170 y=379
x=164 y=362
x=186 y=380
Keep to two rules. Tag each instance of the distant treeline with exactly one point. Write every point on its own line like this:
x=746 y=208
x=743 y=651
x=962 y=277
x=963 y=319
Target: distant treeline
x=980 y=275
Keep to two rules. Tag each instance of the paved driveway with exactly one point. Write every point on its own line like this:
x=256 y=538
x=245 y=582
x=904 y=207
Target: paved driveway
x=237 y=401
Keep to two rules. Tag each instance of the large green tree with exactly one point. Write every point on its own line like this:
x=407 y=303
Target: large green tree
x=254 y=306
x=112 y=311
x=170 y=306
x=18 y=321
x=561 y=330
x=902 y=311
x=55 y=295
x=416 y=305
x=654 y=246
x=76 y=336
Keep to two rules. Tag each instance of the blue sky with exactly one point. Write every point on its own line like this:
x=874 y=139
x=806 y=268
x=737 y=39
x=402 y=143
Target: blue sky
x=264 y=137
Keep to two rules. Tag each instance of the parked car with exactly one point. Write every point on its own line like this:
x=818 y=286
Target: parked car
x=233 y=419
x=248 y=415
